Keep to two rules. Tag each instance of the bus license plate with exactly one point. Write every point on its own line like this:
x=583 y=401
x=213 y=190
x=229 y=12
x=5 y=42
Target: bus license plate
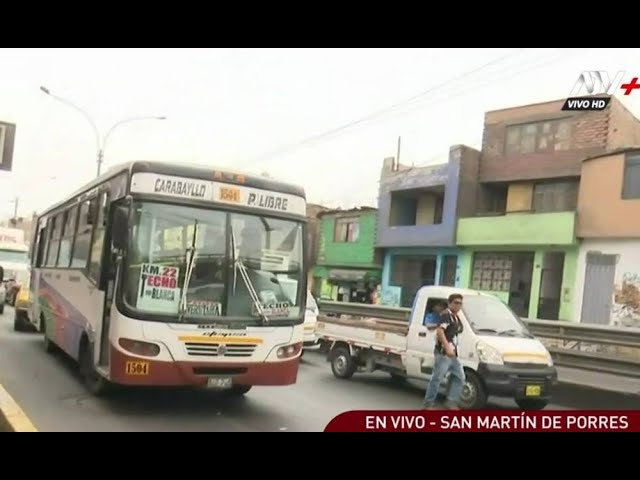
x=220 y=383
x=137 y=368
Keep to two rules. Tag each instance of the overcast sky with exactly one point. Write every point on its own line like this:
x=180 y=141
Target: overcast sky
x=253 y=109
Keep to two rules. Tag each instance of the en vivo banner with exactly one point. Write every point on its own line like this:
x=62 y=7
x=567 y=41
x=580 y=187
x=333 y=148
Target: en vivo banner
x=486 y=421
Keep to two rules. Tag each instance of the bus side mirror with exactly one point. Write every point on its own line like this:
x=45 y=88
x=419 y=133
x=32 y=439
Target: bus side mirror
x=120 y=228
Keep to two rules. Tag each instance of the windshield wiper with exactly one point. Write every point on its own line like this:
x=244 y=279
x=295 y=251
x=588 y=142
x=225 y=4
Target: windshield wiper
x=514 y=332
x=238 y=266
x=487 y=330
x=190 y=259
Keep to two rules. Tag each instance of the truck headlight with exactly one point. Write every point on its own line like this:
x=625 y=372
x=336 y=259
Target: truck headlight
x=488 y=354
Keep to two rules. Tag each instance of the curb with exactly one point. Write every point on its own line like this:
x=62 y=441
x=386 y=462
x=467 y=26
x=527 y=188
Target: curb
x=12 y=417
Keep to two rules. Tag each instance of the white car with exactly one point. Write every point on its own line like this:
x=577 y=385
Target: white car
x=310 y=321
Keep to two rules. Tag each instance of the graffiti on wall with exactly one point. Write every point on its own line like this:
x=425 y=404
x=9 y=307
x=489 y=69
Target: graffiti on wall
x=626 y=301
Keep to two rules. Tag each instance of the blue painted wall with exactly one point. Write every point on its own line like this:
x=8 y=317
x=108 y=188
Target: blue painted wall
x=443 y=234
x=391 y=293
x=439 y=252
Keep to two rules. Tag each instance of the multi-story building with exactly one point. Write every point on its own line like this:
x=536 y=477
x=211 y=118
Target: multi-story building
x=418 y=209
x=609 y=229
x=520 y=240
x=313 y=235
x=347 y=268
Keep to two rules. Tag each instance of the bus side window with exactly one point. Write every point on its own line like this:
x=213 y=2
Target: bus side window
x=66 y=243
x=97 y=243
x=39 y=246
x=82 y=242
x=54 y=242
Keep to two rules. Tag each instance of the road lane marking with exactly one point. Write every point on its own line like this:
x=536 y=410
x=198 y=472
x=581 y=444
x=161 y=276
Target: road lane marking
x=12 y=416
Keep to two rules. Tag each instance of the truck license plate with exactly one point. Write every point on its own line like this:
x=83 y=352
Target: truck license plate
x=532 y=391
x=220 y=383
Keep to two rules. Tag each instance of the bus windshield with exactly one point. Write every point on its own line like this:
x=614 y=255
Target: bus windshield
x=197 y=265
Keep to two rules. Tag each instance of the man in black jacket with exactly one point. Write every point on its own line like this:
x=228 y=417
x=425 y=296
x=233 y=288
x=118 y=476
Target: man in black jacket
x=446 y=356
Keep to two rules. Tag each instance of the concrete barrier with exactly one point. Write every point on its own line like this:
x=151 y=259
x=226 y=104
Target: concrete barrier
x=12 y=417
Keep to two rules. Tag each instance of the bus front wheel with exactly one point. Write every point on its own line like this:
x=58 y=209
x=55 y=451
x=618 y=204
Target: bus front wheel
x=93 y=381
x=240 y=390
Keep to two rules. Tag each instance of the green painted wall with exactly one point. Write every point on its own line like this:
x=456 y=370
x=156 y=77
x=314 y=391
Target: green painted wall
x=568 y=277
x=348 y=254
x=556 y=228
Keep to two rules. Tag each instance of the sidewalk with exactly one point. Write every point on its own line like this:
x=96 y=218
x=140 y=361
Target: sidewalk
x=600 y=381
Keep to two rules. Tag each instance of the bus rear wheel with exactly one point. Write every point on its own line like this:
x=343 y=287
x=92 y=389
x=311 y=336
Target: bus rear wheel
x=93 y=381
x=49 y=346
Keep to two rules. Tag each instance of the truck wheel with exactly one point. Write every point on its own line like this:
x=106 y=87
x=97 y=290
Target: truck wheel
x=531 y=403
x=474 y=395
x=342 y=363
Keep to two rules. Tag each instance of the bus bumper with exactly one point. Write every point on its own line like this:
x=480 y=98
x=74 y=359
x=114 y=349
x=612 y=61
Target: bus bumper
x=126 y=370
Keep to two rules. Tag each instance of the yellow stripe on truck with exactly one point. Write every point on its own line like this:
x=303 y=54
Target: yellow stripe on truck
x=526 y=354
x=204 y=339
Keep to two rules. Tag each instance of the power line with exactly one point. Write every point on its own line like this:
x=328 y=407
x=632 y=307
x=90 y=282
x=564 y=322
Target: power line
x=489 y=82
x=429 y=102
x=387 y=110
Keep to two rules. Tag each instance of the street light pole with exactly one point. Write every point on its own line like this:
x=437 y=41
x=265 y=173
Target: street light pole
x=100 y=143
x=110 y=131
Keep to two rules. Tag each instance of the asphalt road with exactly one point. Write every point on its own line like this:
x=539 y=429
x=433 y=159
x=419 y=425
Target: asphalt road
x=49 y=391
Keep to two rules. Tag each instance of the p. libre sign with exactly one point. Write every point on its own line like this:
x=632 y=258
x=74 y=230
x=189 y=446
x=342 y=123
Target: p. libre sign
x=7 y=140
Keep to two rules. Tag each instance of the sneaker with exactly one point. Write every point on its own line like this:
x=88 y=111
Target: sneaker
x=451 y=406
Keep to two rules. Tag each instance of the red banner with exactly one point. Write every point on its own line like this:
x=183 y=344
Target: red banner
x=486 y=421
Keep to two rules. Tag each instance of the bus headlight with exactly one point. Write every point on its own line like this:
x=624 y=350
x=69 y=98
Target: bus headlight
x=289 y=351
x=488 y=354
x=144 y=349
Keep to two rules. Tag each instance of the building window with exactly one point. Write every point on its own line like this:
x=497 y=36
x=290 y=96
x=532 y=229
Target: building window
x=347 y=229
x=555 y=197
x=491 y=272
x=547 y=136
x=631 y=178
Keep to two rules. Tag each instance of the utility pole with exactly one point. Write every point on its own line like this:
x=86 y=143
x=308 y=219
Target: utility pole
x=15 y=202
x=398 y=155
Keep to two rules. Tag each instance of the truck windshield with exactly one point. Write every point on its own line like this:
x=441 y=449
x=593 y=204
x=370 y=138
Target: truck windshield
x=489 y=315
x=182 y=265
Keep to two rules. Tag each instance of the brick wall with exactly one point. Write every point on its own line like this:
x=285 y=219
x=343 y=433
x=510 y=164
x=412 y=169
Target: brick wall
x=624 y=128
x=589 y=137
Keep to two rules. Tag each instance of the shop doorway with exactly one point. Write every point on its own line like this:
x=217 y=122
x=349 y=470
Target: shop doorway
x=551 y=286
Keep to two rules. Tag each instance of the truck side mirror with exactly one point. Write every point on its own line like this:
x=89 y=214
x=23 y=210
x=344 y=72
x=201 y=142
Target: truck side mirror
x=120 y=227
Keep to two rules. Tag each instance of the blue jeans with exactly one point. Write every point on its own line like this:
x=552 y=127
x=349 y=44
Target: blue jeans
x=442 y=365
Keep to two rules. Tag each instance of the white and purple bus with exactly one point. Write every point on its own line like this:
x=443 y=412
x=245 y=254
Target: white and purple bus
x=163 y=274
